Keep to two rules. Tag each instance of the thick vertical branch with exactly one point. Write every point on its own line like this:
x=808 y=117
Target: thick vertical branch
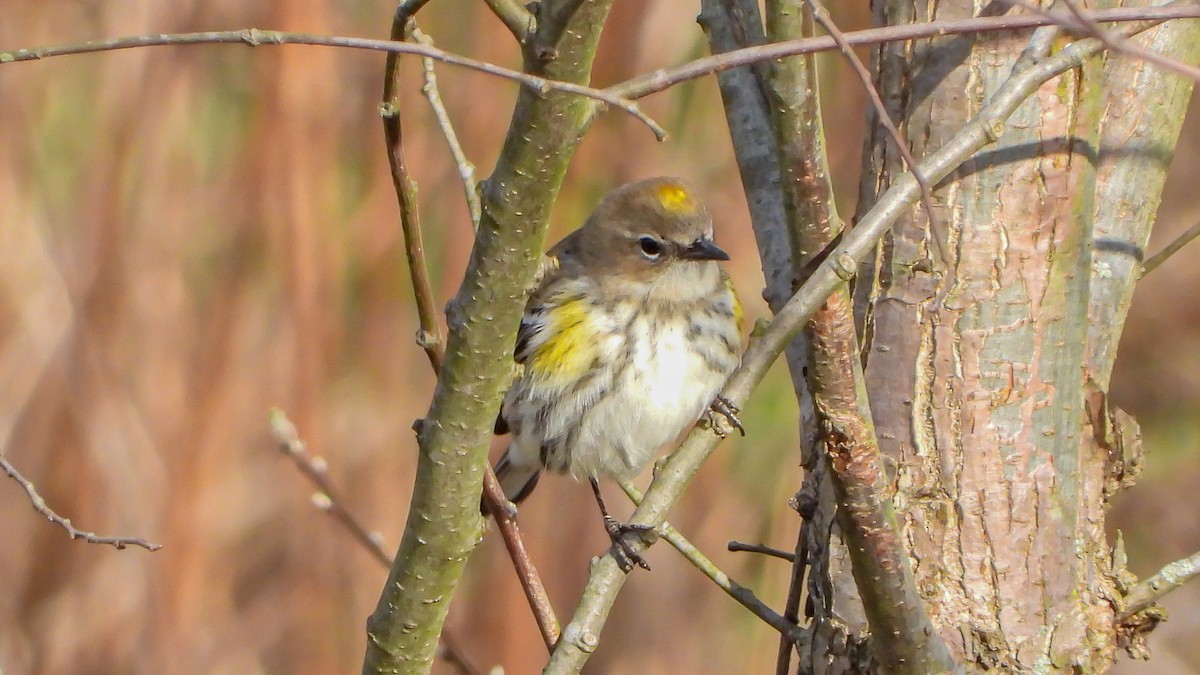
x=729 y=25
x=902 y=637
x=444 y=524
x=1135 y=153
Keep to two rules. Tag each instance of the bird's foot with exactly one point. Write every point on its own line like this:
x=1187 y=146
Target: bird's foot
x=623 y=550
x=724 y=408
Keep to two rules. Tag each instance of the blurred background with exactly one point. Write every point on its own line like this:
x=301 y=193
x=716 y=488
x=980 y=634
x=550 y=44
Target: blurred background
x=192 y=235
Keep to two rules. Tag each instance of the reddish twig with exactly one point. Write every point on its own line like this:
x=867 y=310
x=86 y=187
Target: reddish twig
x=1081 y=22
x=39 y=505
x=505 y=517
x=821 y=14
x=659 y=80
x=254 y=37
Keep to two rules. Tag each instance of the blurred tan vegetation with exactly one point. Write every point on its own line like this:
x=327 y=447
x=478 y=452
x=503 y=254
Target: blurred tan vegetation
x=189 y=236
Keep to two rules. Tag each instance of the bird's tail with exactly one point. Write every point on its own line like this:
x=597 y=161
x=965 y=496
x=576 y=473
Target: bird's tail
x=517 y=480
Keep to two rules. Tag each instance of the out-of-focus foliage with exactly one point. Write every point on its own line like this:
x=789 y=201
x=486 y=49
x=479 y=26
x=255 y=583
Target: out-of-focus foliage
x=189 y=236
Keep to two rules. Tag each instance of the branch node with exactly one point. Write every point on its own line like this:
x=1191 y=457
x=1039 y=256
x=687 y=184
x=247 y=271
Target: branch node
x=845 y=267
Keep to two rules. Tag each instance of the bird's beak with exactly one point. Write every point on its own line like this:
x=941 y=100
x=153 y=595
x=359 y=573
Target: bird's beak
x=703 y=249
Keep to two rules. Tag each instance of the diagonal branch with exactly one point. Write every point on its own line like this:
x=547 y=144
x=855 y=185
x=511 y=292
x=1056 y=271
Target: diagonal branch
x=326 y=499
x=39 y=505
x=581 y=635
x=665 y=78
x=1080 y=22
x=466 y=170
x=254 y=37
x=1170 y=249
x=746 y=597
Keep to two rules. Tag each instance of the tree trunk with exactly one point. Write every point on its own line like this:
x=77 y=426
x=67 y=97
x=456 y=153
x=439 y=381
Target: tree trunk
x=977 y=360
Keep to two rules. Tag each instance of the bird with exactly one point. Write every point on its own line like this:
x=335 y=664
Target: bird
x=625 y=342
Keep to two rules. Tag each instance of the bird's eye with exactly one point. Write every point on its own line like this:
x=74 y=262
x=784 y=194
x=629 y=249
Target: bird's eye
x=651 y=247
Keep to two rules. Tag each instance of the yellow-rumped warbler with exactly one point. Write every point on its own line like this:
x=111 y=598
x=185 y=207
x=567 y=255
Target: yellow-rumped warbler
x=625 y=343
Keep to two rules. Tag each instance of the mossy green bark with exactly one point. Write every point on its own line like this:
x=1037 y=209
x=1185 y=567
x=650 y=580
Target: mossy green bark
x=444 y=524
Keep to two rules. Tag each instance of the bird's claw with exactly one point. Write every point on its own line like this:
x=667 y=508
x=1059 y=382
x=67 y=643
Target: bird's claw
x=623 y=551
x=726 y=409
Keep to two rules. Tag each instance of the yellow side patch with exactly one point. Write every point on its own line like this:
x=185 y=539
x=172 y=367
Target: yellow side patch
x=738 y=314
x=676 y=199
x=569 y=348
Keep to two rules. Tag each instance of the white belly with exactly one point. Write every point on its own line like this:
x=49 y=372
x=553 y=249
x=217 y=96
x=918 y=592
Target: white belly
x=663 y=391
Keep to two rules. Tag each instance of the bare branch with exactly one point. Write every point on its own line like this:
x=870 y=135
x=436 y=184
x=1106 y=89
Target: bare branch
x=1149 y=591
x=254 y=37
x=665 y=78
x=539 y=601
x=821 y=14
x=466 y=170
x=39 y=505
x=429 y=337
x=1080 y=22
x=746 y=597
x=739 y=547
x=326 y=499
x=1170 y=249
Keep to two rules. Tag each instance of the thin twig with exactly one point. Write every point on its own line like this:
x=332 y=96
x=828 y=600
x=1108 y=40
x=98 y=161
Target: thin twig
x=258 y=38
x=466 y=170
x=516 y=18
x=430 y=336
x=1151 y=590
x=821 y=14
x=791 y=606
x=531 y=583
x=1084 y=24
x=741 y=547
x=733 y=589
x=316 y=471
x=39 y=505
x=665 y=78
x=1170 y=249
x=326 y=499
x=620 y=95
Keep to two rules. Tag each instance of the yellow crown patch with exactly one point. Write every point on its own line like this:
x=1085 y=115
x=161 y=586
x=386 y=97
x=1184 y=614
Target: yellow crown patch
x=676 y=199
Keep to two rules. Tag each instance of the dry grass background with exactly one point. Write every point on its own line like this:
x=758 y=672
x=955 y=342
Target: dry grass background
x=189 y=236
